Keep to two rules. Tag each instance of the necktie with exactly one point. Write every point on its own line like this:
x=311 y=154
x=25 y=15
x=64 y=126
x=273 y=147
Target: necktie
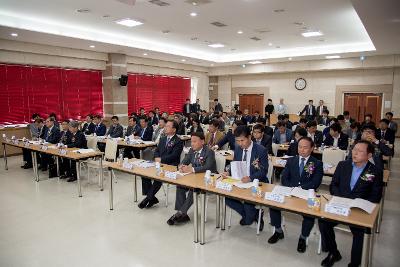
x=166 y=143
x=143 y=130
x=383 y=134
x=196 y=157
x=301 y=167
x=211 y=142
x=245 y=155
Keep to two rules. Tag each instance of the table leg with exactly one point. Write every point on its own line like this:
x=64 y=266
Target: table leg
x=101 y=174
x=371 y=247
x=135 y=189
x=196 y=215
x=366 y=250
x=223 y=213
x=202 y=218
x=58 y=168
x=272 y=175
x=111 y=190
x=35 y=166
x=380 y=213
x=78 y=177
x=218 y=213
x=5 y=157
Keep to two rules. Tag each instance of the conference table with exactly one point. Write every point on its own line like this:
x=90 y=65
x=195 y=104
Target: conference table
x=50 y=149
x=195 y=182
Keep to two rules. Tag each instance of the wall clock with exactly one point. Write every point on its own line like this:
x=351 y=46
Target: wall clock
x=300 y=84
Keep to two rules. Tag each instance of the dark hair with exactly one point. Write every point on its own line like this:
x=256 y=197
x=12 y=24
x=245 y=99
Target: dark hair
x=38 y=120
x=35 y=115
x=175 y=124
x=239 y=112
x=340 y=117
x=280 y=124
x=53 y=115
x=115 y=118
x=242 y=130
x=132 y=118
x=385 y=121
x=144 y=118
x=303 y=120
x=336 y=127
x=196 y=121
x=216 y=99
x=281 y=117
x=307 y=139
x=286 y=116
x=310 y=100
x=67 y=121
x=98 y=116
x=334 y=119
x=90 y=116
x=258 y=127
x=152 y=111
x=199 y=135
x=368 y=115
x=346 y=113
x=187 y=99
x=311 y=124
x=325 y=111
x=269 y=99
x=301 y=131
x=355 y=125
x=215 y=123
x=370 y=146
x=238 y=122
x=261 y=120
x=141 y=108
x=368 y=127
x=50 y=118
x=163 y=119
x=156 y=108
x=389 y=113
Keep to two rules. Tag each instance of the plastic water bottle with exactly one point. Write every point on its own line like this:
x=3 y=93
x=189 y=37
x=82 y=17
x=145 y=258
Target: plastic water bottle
x=207 y=178
x=311 y=198
x=120 y=158
x=254 y=187
x=158 y=168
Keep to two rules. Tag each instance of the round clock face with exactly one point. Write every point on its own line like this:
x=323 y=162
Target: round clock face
x=300 y=84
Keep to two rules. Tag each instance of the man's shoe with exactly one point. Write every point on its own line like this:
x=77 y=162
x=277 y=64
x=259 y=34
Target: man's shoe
x=173 y=219
x=144 y=203
x=353 y=265
x=183 y=218
x=71 y=179
x=275 y=237
x=27 y=166
x=44 y=169
x=301 y=246
x=152 y=202
x=331 y=259
x=63 y=176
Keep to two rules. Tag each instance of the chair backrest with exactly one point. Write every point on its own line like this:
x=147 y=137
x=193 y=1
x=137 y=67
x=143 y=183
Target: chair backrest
x=205 y=128
x=185 y=150
x=270 y=169
x=321 y=127
x=333 y=156
x=226 y=128
x=221 y=161
x=275 y=148
x=92 y=142
x=111 y=150
x=294 y=127
x=225 y=147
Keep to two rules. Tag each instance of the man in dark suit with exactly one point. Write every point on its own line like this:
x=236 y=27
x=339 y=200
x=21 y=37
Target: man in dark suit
x=100 y=129
x=349 y=120
x=217 y=106
x=336 y=138
x=204 y=118
x=293 y=147
x=260 y=138
x=240 y=117
x=269 y=108
x=199 y=159
x=50 y=134
x=309 y=110
x=130 y=131
x=152 y=118
x=324 y=120
x=78 y=140
x=229 y=137
x=321 y=108
x=89 y=127
x=303 y=171
x=282 y=135
x=146 y=131
x=255 y=117
x=168 y=152
x=384 y=132
x=196 y=107
x=36 y=130
x=314 y=134
x=115 y=129
x=392 y=124
x=356 y=178
x=65 y=134
x=187 y=108
x=255 y=157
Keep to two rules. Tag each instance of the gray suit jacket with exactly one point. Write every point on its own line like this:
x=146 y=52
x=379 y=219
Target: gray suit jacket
x=206 y=160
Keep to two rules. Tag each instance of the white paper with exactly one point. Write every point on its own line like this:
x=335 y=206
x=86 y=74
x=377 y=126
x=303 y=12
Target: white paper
x=182 y=173
x=286 y=157
x=300 y=193
x=364 y=205
x=238 y=169
x=243 y=185
x=281 y=162
x=282 y=190
x=274 y=197
x=84 y=151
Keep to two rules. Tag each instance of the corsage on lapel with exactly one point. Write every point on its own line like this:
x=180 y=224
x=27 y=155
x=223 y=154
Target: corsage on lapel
x=256 y=163
x=367 y=176
x=171 y=143
x=310 y=168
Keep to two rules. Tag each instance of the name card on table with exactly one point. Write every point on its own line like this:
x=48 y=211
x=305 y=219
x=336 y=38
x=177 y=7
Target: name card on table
x=44 y=148
x=26 y=144
x=171 y=175
x=224 y=186
x=337 y=209
x=274 y=197
x=127 y=165
x=63 y=151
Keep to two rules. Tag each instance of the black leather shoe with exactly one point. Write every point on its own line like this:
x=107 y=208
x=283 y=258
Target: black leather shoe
x=353 y=265
x=63 y=176
x=44 y=169
x=301 y=246
x=71 y=179
x=261 y=224
x=152 y=202
x=173 y=219
x=183 y=219
x=27 y=166
x=243 y=222
x=275 y=237
x=331 y=259
x=144 y=203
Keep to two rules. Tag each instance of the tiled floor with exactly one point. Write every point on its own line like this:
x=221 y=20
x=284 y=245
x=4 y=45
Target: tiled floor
x=46 y=224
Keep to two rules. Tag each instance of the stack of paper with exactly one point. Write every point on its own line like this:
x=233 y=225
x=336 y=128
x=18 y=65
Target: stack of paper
x=238 y=169
x=282 y=190
x=352 y=203
x=243 y=185
x=84 y=151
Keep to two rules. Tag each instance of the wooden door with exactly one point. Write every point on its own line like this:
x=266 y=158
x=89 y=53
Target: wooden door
x=359 y=104
x=252 y=102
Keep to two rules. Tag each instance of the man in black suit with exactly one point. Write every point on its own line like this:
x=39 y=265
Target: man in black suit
x=240 y=117
x=384 y=132
x=196 y=106
x=50 y=134
x=187 y=108
x=181 y=125
x=115 y=129
x=65 y=138
x=260 y=138
x=336 y=138
x=356 y=178
x=314 y=134
x=130 y=131
x=303 y=171
x=146 y=131
x=89 y=127
x=199 y=159
x=324 y=120
x=168 y=152
x=204 y=118
x=269 y=108
x=309 y=110
x=99 y=129
x=152 y=118
x=392 y=124
x=78 y=140
x=293 y=146
x=321 y=108
x=217 y=106
x=349 y=120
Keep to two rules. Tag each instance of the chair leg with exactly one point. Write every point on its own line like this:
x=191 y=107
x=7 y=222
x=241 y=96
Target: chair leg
x=259 y=220
x=205 y=215
x=166 y=196
x=88 y=174
x=230 y=218
x=319 y=244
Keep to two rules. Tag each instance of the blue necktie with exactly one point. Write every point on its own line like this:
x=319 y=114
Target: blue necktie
x=143 y=130
x=245 y=155
x=301 y=167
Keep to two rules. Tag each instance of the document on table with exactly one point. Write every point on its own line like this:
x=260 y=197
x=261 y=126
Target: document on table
x=84 y=151
x=286 y=157
x=243 y=185
x=300 y=193
x=353 y=203
x=238 y=169
x=182 y=173
x=282 y=190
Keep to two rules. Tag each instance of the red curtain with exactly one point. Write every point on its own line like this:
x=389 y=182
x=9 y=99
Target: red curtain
x=71 y=94
x=150 y=91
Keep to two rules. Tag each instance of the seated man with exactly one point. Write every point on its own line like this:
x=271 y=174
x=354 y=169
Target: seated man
x=356 y=178
x=65 y=138
x=159 y=131
x=144 y=133
x=195 y=128
x=213 y=136
x=260 y=138
x=229 y=138
x=199 y=159
x=78 y=140
x=50 y=134
x=282 y=135
x=336 y=138
x=130 y=131
x=384 y=133
x=116 y=129
x=314 y=134
x=168 y=152
x=324 y=120
x=298 y=133
x=99 y=129
x=255 y=157
x=306 y=172
x=88 y=127
x=302 y=123
x=36 y=129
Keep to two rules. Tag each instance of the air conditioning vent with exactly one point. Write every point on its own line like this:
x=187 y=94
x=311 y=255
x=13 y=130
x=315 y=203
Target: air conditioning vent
x=218 y=24
x=159 y=3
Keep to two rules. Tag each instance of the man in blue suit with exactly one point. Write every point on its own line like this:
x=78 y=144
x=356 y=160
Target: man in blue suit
x=168 y=152
x=50 y=134
x=100 y=129
x=303 y=171
x=257 y=166
x=282 y=135
x=354 y=178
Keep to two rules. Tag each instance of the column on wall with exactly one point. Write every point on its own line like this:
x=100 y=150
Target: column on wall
x=213 y=89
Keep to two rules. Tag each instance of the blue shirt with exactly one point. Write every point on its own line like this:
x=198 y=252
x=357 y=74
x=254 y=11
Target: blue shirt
x=355 y=174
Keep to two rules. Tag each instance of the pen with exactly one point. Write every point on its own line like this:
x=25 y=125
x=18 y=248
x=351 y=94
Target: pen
x=325 y=198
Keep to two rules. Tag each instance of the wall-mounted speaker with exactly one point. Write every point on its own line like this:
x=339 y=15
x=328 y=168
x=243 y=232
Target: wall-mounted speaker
x=123 y=81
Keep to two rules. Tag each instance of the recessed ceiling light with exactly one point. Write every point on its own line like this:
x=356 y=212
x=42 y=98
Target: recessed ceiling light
x=270 y=44
x=255 y=62
x=239 y=32
x=290 y=58
x=194 y=38
x=166 y=31
x=312 y=34
x=332 y=57
x=183 y=60
x=193 y=14
x=211 y=65
x=277 y=46
x=129 y=22
x=14 y=34
x=217 y=45
x=279 y=10
x=243 y=65
x=83 y=10
x=91 y=46
x=194 y=3
x=362 y=58
x=106 y=16
x=144 y=54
